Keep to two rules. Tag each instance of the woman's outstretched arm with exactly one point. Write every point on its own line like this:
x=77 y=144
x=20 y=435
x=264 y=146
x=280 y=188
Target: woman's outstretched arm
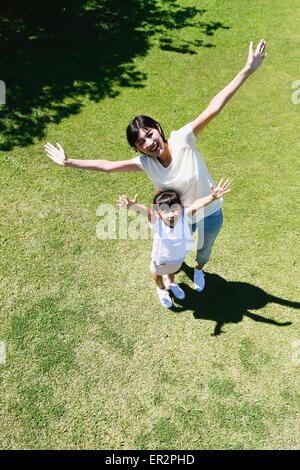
x=59 y=156
x=218 y=102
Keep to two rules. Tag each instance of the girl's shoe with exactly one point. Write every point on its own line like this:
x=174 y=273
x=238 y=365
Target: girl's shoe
x=164 y=297
x=177 y=291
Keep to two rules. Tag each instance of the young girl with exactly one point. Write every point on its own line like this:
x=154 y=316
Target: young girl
x=173 y=238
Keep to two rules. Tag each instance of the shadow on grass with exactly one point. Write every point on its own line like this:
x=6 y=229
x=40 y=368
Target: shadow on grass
x=228 y=302
x=56 y=54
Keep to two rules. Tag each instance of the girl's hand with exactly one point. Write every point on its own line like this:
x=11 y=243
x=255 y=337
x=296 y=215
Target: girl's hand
x=58 y=156
x=125 y=202
x=220 y=190
x=255 y=59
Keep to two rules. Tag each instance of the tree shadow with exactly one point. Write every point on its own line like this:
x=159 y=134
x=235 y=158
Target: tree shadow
x=57 y=54
x=228 y=302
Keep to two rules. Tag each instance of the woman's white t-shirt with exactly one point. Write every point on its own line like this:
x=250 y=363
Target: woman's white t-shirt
x=187 y=173
x=172 y=244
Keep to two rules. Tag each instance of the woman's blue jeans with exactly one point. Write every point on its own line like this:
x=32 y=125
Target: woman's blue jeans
x=208 y=229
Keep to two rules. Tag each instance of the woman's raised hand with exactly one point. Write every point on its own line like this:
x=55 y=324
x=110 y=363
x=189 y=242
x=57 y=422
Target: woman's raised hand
x=255 y=58
x=58 y=156
x=125 y=202
x=220 y=190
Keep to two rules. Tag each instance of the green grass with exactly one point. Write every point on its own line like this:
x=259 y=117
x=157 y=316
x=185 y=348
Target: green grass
x=93 y=360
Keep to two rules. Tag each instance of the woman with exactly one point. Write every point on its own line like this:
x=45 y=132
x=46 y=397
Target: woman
x=175 y=163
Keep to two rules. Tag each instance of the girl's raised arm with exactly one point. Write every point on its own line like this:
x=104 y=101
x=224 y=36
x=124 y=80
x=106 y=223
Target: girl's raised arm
x=132 y=204
x=218 y=102
x=59 y=156
x=215 y=193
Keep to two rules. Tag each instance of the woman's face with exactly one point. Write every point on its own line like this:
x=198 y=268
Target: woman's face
x=150 y=142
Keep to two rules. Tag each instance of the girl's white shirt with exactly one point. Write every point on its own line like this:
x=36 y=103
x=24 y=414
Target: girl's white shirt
x=171 y=245
x=187 y=173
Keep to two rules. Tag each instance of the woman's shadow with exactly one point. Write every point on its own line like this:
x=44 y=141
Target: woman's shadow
x=227 y=302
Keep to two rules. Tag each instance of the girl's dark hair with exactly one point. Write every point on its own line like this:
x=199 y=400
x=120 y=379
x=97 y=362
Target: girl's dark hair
x=139 y=122
x=167 y=198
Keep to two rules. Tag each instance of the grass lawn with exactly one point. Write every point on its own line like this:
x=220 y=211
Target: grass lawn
x=93 y=361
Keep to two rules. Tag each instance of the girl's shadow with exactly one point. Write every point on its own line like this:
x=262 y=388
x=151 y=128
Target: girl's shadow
x=227 y=302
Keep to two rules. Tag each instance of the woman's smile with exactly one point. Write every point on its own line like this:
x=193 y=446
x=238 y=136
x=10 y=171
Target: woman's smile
x=154 y=147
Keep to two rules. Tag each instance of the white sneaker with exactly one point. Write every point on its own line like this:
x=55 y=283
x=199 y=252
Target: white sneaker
x=177 y=291
x=199 y=281
x=164 y=297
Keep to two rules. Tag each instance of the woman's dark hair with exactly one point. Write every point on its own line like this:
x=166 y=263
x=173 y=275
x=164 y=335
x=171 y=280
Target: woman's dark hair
x=139 y=122
x=167 y=198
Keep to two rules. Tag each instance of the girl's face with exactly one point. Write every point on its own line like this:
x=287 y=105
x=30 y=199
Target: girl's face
x=150 y=142
x=170 y=215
